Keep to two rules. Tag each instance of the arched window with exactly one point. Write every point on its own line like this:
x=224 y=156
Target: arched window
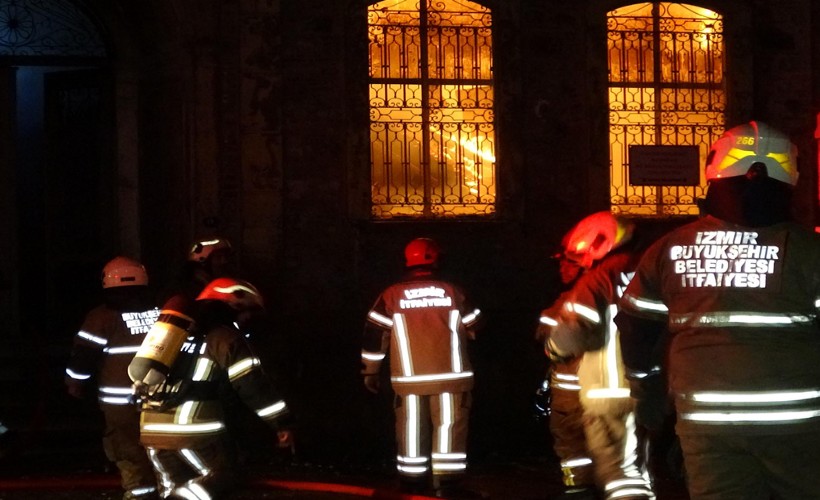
x=432 y=131
x=666 y=105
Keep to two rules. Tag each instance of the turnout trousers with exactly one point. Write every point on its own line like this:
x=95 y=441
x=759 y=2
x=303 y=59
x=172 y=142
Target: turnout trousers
x=752 y=467
x=431 y=435
x=196 y=473
x=121 y=443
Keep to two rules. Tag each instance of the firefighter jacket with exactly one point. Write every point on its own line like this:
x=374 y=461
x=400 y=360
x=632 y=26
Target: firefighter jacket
x=425 y=324
x=585 y=327
x=107 y=341
x=222 y=361
x=741 y=307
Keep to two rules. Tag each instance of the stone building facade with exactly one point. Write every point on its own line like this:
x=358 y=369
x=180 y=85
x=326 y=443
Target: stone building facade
x=249 y=119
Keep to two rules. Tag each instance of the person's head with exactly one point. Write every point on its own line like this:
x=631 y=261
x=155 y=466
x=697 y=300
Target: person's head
x=751 y=171
x=595 y=236
x=239 y=297
x=421 y=253
x=123 y=278
x=215 y=255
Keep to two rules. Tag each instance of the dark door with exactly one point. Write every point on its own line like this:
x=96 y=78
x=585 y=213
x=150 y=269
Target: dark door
x=79 y=195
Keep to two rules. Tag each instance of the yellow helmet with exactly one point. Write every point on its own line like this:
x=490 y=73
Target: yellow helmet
x=739 y=148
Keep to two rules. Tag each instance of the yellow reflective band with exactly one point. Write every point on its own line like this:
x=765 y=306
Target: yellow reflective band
x=379 y=318
x=411 y=460
x=116 y=390
x=433 y=378
x=373 y=356
x=750 y=417
x=404 y=346
x=567 y=387
x=455 y=349
x=754 y=397
x=184 y=428
x=646 y=304
x=122 y=350
x=412 y=469
x=565 y=376
x=195 y=462
x=548 y=321
x=242 y=367
x=273 y=409
x=203 y=369
x=471 y=317
x=582 y=310
x=92 y=338
x=185 y=412
x=449 y=466
x=76 y=376
x=577 y=462
x=608 y=393
x=450 y=456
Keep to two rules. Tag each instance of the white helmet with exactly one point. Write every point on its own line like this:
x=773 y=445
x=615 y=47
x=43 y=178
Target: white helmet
x=741 y=147
x=595 y=236
x=123 y=271
x=238 y=294
x=201 y=250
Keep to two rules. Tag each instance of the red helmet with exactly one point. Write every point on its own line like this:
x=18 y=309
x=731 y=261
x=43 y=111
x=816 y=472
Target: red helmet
x=595 y=236
x=238 y=294
x=421 y=252
x=123 y=271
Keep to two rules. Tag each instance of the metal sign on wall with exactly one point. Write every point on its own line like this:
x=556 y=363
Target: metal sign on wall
x=664 y=166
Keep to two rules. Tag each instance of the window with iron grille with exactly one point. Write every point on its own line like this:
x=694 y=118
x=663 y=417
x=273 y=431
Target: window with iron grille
x=666 y=88
x=432 y=130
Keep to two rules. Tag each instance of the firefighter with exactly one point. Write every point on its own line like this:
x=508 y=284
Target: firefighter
x=561 y=384
x=739 y=291
x=182 y=422
x=584 y=329
x=207 y=259
x=102 y=349
x=424 y=323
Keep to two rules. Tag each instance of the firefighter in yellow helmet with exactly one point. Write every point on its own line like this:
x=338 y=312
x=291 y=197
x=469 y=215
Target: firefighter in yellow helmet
x=424 y=324
x=583 y=328
x=183 y=424
x=738 y=291
x=101 y=352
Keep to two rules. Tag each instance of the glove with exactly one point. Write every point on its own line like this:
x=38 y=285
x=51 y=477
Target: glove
x=553 y=354
x=372 y=382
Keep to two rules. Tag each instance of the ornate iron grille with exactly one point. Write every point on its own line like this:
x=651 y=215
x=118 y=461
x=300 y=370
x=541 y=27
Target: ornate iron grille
x=666 y=66
x=432 y=130
x=47 y=28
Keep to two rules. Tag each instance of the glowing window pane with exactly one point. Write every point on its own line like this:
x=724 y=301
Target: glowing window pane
x=432 y=129
x=665 y=88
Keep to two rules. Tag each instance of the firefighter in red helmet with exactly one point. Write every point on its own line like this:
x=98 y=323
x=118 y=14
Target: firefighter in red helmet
x=738 y=292
x=101 y=352
x=583 y=328
x=183 y=424
x=560 y=387
x=424 y=324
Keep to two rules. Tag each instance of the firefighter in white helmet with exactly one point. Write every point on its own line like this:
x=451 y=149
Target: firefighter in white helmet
x=102 y=349
x=584 y=328
x=183 y=424
x=424 y=324
x=738 y=291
